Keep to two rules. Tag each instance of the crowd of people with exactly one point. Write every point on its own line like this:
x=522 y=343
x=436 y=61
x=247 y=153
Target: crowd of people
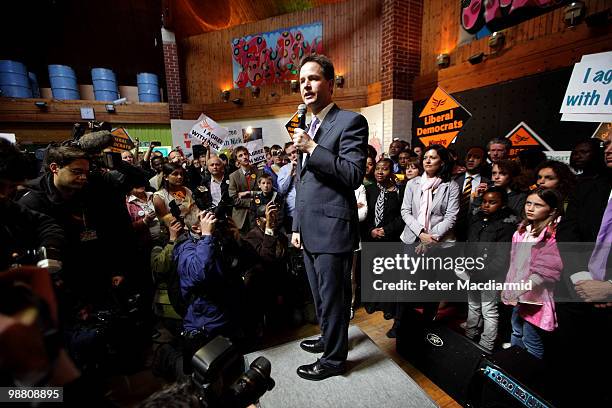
x=203 y=245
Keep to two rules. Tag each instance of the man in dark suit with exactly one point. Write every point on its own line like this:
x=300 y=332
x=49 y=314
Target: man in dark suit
x=214 y=186
x=472 y=184
x=331 y=165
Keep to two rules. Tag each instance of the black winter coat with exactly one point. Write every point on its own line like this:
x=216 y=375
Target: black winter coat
x=90 y=259
x=483 y=232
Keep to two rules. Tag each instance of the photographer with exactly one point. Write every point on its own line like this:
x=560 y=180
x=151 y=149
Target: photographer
x=211 y=283
x=23 y=229
x=269 y=281
x=90 y=206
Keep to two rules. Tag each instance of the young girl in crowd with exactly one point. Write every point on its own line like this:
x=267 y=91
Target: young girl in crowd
x=557 y=175
x=505 y=175
x=535 y=259
x=493 y=222
x=173 y=189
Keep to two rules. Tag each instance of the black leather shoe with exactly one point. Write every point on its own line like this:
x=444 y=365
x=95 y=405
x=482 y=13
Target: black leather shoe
x=313 y=346
x=317 y=372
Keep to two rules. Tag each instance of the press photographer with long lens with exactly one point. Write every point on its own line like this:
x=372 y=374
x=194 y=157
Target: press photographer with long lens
x=88 y=202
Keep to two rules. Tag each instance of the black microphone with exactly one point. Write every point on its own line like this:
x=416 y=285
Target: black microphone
x=301 y=112
x=95 y=142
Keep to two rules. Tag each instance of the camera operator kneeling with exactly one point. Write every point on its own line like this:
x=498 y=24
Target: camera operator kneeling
x=211 y=283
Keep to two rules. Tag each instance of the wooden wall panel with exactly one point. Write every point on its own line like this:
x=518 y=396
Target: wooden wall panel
x=279 y=105
x=351 y=38
x=24 y=110
x=540 y=44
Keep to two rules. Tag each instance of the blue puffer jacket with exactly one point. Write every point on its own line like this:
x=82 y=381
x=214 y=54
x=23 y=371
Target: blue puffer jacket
x=211 y=297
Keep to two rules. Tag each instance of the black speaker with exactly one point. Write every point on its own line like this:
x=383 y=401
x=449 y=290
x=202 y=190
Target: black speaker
x=446 y=357
x=511 y=378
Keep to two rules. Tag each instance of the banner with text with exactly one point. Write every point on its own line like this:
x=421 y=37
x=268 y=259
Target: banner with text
x=252 y=138
x=207 y=130
x=121 y=140
x=441 y=119
x=588 y=97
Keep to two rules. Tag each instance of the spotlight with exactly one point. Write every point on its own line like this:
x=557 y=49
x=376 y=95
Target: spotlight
x=237 y=101
x=255 y=91
x=110 y=107
x=476 y=58
x=497 y=41
x=443 y=60
x=295 y=86
x=225 y=95
x=573 y=13
x=339 y=81
x=41 y=104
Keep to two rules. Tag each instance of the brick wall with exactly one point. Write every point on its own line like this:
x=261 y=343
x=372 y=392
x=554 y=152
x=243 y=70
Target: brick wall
x=401 y=47
x=173 y=77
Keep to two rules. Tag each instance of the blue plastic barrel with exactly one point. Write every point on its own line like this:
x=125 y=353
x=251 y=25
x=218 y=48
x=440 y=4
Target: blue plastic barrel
x=148 y=88
x=34 y=85
x=63 y=82
x=104 y=84
x=14 y=81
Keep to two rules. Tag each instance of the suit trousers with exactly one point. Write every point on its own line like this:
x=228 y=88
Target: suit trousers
x=329 y=276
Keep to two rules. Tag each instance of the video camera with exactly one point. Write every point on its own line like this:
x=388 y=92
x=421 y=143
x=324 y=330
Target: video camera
x=220 y=378
x=94 y=142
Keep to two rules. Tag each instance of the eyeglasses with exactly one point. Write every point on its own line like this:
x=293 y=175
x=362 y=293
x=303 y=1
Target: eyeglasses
x=277 y=153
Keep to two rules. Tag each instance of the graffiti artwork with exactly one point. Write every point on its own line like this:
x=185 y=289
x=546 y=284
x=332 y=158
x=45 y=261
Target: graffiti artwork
x=487 y=16
x=273 y=57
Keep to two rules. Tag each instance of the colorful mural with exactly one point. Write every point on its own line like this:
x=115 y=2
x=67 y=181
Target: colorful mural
x=273 y=57
x=480 y=18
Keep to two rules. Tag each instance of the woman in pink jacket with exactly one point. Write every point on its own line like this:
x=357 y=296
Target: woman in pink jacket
x=535 y=263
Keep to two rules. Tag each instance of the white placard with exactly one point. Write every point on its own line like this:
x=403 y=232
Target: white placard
x=586 y=117
x=562 y=156
x=590 y=88
x=180 y=135
x=9 y=136
x=207 y=130
x=233 y=139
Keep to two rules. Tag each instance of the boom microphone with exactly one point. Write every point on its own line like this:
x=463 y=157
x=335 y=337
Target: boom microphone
x=301 y=116
x=95 y=142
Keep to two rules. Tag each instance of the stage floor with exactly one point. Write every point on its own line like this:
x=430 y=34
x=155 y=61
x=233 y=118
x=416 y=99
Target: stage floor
x=373 y=379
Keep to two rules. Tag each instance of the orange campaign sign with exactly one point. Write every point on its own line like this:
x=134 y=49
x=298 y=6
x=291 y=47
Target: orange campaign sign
x=441 y=119
x=523 y=137
x=121 y=140
x=293 y=123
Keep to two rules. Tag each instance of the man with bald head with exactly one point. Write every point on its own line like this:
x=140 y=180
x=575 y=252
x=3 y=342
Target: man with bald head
x=215 y=184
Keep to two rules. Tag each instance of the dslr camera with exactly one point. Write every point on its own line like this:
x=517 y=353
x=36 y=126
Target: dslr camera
x=220 y=379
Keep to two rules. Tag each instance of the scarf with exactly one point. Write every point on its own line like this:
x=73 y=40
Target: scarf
x=428 y=185
x=380 y=204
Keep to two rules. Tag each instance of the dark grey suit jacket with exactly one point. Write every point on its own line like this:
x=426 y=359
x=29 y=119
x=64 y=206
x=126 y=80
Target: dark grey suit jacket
x=326 y=209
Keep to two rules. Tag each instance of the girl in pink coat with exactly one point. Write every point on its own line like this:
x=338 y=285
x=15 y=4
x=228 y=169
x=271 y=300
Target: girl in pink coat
x=536 y=264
